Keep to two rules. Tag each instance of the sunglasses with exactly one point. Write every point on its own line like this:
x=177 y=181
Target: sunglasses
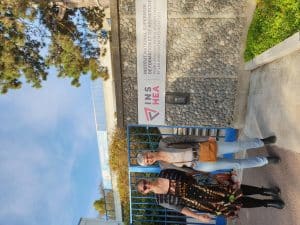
x=145 y=185
x=146 y=158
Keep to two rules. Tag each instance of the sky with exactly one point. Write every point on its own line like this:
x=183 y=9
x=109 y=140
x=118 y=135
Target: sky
x=49 y=163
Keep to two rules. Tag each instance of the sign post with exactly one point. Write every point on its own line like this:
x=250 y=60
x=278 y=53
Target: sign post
x=151 y=34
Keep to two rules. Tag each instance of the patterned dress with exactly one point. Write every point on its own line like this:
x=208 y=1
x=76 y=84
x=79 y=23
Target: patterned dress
x=184 y=191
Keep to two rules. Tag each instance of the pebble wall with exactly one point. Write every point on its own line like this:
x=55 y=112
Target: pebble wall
x=203 y=57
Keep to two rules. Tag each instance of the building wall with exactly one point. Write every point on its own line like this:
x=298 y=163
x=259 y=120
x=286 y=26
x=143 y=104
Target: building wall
x=96 y=221
x=83 y=3
x=203 y=59
x=104 y=100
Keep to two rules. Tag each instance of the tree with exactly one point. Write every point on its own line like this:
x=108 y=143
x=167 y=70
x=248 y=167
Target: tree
x=105 y=205
x=99 y=205
x=19 y=53
x=34 y=37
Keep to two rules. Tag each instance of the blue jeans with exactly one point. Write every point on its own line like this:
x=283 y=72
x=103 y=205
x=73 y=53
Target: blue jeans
x=234 y=147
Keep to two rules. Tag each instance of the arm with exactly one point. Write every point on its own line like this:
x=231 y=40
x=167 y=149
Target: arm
x=187 y=212
x=174 y=207
x=202 y=218
x=185 y=139
x=164 y=165
x=187 y=170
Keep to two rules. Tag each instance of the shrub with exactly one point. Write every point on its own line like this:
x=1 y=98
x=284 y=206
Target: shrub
x=273 y=22
x=118 y=161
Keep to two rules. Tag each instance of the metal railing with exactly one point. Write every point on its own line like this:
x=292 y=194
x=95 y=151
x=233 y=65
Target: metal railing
x=140 y=138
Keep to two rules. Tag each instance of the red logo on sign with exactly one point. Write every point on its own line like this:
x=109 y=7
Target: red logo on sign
x=151 y=114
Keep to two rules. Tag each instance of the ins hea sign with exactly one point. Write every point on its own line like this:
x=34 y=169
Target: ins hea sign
x=151 y=32
x=151 y=98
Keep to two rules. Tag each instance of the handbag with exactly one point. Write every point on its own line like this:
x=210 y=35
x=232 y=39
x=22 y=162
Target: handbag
x=208 y=151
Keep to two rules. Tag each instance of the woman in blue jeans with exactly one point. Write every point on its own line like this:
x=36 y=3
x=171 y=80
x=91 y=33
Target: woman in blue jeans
x=184 y=151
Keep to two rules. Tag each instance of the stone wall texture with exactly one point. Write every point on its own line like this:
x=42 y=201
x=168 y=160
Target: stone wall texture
x=203 y=58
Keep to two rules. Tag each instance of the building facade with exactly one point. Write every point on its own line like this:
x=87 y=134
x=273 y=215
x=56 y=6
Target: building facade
x=105 y=120
x=80 y=3
x=96 y=221
x=204 y=39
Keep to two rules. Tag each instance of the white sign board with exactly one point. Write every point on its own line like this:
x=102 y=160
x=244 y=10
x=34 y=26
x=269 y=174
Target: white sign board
x=151 y=35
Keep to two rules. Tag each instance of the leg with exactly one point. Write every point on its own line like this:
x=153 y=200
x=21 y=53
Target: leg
x=252 y=190
x=250 y=162
x=248 y=202
x=237 y=146
x=210 y=166
x=227 y=164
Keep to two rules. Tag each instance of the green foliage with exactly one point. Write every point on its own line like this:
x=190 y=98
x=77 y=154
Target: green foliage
x=119 y=164
x=99 y=205
x=144 y=134
x=105 y=205
x=273 y=22
x=19 y=53
x=26 y=31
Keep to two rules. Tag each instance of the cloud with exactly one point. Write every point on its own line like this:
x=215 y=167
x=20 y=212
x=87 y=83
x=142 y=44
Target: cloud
x=33 y=180
x=43 y=136
x=43 y=109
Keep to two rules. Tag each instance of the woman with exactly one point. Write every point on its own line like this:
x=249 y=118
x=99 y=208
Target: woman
x=178 y=191
x=202 y=153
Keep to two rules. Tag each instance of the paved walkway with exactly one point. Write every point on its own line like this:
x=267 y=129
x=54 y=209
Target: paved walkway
x=286 y=176
x=274 y=102
x=274 y=108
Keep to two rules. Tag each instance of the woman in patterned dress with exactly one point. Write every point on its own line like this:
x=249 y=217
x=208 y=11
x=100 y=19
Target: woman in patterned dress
x=178 y=191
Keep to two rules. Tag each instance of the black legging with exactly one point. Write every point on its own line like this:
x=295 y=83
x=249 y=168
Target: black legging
x=248 y=202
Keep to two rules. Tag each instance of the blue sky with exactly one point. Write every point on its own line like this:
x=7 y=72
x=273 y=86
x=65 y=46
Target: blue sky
x=49 y=164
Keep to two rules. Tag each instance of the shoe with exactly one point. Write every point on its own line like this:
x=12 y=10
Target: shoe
x=269 y=140
x=273 y=160
x=278 y=203
x=274 y=191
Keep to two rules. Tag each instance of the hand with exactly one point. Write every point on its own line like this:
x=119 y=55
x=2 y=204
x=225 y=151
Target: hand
x=236 y=185
x=212 y=139
x=204 y=218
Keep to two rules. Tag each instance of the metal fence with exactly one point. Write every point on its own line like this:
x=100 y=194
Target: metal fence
x=143 y=209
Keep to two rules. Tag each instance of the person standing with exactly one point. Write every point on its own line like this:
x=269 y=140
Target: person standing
x=203 y=153
x=178 y=191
